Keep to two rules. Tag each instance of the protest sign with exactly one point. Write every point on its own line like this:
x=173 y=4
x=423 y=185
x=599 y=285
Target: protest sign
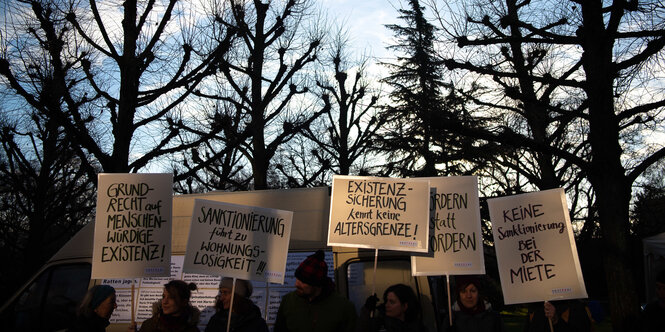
x=238 y=241
x=455 y=241
x=535 y=247
x=132 y=226
x=379 y=213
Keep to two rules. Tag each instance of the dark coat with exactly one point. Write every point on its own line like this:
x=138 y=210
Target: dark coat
x=246 y=317
x=573 y=316
x=89 y=324
x=381 y=322
x=159 y=322
x=486 y=320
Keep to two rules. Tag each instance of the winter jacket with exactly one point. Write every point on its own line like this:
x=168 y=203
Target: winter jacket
x=486 y=320
x=389 y=324
x=159 y=322
x=246 y=317
x=89 y=324
x=653 y=317
x=572 y=316
x=329 y=312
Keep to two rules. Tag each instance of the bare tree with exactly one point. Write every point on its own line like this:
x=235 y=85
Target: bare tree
x=266 y=80
x=343 y=136
x=578 y=77
x=139 y=69
x=45 y=195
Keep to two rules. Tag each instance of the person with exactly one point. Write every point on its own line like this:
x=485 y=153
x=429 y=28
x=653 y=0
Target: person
x=400 y=312
x=471 y=311
x=653 y=316
x=173 y=313
x=314 y=306
x=246 y=316
x=565 y=315
x=95 y=310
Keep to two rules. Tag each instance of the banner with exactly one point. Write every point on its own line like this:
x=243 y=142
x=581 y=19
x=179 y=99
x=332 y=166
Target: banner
x=379 y=213
x=238 y=241
x=535 y=247
x=455 y=241
x=132 y=226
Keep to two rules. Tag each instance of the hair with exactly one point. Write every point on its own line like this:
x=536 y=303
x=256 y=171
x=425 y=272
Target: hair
x=181 y=292
x=405 y=295
x=86 y=308
x=461 y=283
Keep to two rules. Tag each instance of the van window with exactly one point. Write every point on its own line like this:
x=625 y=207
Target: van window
x=360 y=278
x=49 y=303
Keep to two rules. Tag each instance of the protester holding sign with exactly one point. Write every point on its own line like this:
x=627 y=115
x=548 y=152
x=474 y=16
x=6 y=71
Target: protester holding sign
x=173 y=313
x=561 y=316
x=314 y=306
x=95 y=309
x=471 y=312
x=246 y=316
x=400 y=312
x=653 y=316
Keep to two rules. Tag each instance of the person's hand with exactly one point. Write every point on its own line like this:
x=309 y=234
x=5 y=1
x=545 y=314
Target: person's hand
x=550 y=312
x=132 y=327
x=371 y=302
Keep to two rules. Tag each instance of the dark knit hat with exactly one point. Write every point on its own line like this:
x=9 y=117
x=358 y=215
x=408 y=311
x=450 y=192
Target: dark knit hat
x=313 y=270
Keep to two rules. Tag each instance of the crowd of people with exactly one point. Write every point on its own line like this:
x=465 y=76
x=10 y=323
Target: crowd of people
x=315 y=306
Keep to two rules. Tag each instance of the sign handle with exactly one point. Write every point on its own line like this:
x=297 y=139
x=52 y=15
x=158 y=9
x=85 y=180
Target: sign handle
x=133 y=304
x=376 y=259
x=233 y=292
x=551 y=326
x=450 y=308
x=265 y=308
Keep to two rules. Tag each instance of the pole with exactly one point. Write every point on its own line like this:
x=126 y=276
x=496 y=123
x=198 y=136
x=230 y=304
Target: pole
x=450 y=307
x=376 y=259
x=233 y=292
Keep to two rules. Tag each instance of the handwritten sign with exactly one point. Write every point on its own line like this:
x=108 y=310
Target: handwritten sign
x=380 y=213
x=238 y=241
x=535 y=247
x=455 y=241
x=132 y=226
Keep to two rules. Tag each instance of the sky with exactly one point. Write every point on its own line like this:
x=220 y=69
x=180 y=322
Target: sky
x=365 y=20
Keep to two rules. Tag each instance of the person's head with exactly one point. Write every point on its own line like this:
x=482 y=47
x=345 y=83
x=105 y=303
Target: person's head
x=401 y=302
x=100 y=301
x=243 y=289
x=312 y=275
x=660 y=286
x=468 y=291
x=176 y=296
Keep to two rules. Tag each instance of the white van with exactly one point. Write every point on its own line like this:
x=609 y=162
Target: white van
x=48 y=301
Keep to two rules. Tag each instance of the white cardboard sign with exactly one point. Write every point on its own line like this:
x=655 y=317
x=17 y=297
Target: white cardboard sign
x=379 y=213
x=238 y=241
x=535 y=247
x=455 y=241
x=132 y=226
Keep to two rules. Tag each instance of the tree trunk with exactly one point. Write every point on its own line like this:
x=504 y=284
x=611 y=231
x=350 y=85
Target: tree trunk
x=607 y=174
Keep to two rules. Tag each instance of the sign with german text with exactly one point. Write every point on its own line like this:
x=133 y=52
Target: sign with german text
x=535 y=247
x=132 y=226
x=238 y=241
x=455 y=241
x=379 y=213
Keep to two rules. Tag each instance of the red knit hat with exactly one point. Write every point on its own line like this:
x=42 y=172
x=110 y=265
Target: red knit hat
x=313 y=270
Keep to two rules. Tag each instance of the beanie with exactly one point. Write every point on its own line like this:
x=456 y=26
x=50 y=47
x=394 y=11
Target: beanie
x=243 y=287
x=99 y=294
x=313 y=270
